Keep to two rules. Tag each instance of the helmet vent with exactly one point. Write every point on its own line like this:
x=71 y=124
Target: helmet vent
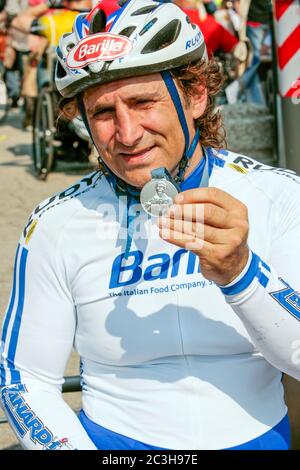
x=58 y=52
x=60 y=71
x=98 y=23
x=164 y=38
x=128 y=31
x=144 y=10
x=148 y=26
x=70 y=46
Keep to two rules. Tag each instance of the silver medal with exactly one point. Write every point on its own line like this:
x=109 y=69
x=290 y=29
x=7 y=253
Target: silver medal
x=157 y=196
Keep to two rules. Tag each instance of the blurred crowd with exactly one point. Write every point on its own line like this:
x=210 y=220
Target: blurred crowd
x=236 y=31
x=239 y=31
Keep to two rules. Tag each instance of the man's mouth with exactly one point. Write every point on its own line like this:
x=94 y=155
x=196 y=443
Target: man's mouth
x=140 y=154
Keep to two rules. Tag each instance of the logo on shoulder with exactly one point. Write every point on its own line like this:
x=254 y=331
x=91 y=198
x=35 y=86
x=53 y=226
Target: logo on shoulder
x=100 y=46
x=30 y=231
x=237 y=168
x=246 y=163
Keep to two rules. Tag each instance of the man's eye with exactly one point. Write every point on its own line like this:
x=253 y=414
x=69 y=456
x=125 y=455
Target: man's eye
x=144 y=102
x=103 y=112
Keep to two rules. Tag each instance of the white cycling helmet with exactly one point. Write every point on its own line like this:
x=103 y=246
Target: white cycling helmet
x=120 y=39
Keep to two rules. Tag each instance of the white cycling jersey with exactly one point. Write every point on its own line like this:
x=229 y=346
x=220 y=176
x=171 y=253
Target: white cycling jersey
x=167 y=357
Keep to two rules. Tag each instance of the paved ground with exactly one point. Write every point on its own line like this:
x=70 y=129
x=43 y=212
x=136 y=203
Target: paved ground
x=20 y=192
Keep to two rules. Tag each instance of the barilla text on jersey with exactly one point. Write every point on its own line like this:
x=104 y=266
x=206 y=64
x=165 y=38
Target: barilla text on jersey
x=157 y=266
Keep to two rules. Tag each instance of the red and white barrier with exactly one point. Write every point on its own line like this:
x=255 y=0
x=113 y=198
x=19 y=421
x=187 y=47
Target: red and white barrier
x=287 y=35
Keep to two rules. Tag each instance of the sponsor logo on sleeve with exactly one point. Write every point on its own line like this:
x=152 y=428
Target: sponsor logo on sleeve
x=26 y=422
x=100 y=46
x=288 y=298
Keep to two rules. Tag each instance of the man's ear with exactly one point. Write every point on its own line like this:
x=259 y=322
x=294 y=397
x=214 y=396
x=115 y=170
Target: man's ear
x=198 y=102
x=70 y=110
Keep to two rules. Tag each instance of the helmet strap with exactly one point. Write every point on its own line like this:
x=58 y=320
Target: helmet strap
x=189 y=149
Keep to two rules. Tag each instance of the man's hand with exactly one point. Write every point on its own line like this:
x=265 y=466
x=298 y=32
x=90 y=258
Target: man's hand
x=212 y=224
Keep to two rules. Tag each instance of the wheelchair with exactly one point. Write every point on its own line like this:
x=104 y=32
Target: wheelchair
x=54 y=138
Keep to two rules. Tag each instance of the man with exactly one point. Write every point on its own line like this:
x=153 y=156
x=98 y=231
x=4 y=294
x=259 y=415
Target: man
x=183 y=334
x=255 y=25
x=15 y=51
x=258 y=26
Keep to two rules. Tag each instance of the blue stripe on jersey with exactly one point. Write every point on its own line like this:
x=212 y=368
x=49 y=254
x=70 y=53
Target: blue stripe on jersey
x=246 y=280
x=15 y=374
x=12 y=299
x=265 y=265
x=194 y=178
x=8 y=314
x=253 y=271
x=224 y=152
x=277 y=438
x=215 y=158
x=263 y=280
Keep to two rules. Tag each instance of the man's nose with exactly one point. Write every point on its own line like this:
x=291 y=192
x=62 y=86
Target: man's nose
x=129 y=131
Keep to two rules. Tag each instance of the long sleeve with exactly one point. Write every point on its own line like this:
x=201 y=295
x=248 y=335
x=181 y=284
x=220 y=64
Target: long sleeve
x=37 y=338
x=266 y=294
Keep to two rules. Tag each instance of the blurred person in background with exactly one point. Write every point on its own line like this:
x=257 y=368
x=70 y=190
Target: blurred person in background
x=227 y=15
x=47 y=20
x=215 y=35
x=3 y=18
x=16 y=49
x=255 y=26
x=225 y=42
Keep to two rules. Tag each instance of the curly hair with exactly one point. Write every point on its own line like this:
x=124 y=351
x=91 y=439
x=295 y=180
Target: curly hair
x=207 y=74
x=204 y=74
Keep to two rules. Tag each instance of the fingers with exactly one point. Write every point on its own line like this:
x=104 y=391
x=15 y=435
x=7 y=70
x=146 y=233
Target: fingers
x=197 y=230
x=185 y=240
x=209 y=195
x=213 y=225
x=201 y=213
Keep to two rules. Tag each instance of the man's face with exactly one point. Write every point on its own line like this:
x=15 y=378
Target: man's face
x=160 y=189
x=135 y=126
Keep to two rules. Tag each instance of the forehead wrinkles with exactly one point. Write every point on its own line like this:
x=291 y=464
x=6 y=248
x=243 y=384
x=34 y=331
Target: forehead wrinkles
x=109 y=93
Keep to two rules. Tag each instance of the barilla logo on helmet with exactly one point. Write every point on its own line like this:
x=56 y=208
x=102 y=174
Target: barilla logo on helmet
x=100 y=46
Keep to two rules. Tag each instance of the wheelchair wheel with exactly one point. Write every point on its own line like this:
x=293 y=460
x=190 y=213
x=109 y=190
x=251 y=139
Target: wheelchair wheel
x=43 y=134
